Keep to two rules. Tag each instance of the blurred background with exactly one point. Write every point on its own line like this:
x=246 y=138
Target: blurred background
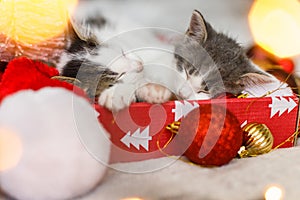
x=229 y=16
x=268 y=29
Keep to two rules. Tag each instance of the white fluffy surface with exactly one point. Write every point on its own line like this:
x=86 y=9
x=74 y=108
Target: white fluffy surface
x=53 y=124
x=241 y=179
x=246 y=178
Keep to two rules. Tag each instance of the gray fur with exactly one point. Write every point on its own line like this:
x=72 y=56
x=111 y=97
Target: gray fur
x=94 y=77
x=218 y=59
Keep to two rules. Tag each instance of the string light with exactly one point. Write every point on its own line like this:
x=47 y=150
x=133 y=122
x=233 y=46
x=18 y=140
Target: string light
x=132 y=198
x=273 y=193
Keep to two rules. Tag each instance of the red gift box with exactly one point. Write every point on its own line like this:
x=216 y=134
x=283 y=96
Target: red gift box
x=139 y=132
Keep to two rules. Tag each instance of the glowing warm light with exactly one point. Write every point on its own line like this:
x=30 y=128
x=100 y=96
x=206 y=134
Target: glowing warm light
x=34 y=21
x=275 y=25
x=10 y=149
x=273 y=193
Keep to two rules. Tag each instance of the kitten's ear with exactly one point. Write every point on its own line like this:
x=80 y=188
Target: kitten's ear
x=197 y=29
x=251 y=79
x=82 y=30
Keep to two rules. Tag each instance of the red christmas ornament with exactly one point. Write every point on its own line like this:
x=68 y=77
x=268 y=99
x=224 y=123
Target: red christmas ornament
x=286 y=64
x=212 y=134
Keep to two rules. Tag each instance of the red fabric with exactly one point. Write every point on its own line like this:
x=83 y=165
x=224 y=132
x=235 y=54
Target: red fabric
x=23 y=73
x=2 y=68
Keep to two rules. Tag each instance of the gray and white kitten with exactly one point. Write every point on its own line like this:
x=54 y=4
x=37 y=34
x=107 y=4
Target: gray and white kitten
x=214 y=63
x=99 y=54
x=98 y=64
x=209 y=63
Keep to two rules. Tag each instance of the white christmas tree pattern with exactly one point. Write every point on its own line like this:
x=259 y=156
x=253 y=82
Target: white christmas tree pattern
x=244 y=123
x=137 y=139
x=280 y=105
x=182 y=109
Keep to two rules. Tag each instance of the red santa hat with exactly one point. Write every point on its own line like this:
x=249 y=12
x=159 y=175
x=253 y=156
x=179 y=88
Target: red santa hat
x=53 y=128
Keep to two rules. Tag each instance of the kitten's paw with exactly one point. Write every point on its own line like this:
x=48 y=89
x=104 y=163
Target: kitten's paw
x=153 y=93
x=115 y=99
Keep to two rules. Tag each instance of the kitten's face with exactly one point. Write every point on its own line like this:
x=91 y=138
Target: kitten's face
x=86 y=41
x=214 y=62
x=96 y=65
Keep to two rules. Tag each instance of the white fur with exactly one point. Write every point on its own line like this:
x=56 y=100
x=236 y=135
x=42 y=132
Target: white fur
x=190 y=89
x=57 y=135
x=140 y=53
x=125 y=49
x=153 y=93
x=271 y=89
x=121 y=94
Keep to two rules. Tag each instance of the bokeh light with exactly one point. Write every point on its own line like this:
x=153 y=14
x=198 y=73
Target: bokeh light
x=34 y=21
x=275 y=26
x=273 y=193
x=10 y=149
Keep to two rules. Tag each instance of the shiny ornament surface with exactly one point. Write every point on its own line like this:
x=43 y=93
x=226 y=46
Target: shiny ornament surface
x=258 y=140
x=211 y=134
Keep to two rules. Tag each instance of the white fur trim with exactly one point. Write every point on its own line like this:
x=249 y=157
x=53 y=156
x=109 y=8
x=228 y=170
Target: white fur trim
x=53 y=124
